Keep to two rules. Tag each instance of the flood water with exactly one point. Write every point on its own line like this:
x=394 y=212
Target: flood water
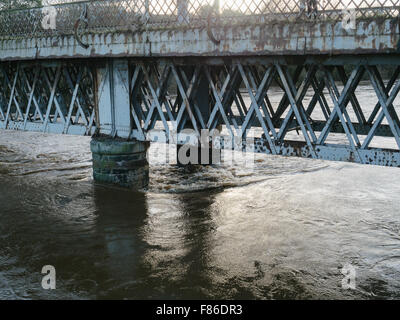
x=281 y=229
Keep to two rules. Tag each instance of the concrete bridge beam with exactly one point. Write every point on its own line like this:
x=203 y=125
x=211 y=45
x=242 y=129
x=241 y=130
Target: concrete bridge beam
x=325 y=38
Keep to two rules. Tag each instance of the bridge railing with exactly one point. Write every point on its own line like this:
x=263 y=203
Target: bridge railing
x=135 y=15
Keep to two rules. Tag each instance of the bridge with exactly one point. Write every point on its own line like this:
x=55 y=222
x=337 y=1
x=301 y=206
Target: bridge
x=129 y=72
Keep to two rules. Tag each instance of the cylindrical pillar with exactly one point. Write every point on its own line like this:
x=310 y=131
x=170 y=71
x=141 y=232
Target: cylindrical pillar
x=120 y=162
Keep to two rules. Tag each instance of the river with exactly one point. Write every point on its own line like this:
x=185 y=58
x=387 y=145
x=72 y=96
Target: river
x=280 y=229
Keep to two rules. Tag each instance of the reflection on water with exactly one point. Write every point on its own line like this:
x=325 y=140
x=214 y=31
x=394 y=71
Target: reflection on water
x=283 y=228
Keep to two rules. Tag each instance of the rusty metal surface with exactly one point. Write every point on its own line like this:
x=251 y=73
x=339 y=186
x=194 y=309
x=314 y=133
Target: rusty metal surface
x=326 y=38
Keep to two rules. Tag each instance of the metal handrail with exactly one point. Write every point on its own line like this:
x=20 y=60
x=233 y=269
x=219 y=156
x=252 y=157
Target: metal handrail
x=114 y=15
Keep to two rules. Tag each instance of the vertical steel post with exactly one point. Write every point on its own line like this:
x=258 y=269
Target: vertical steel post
x=114 y=112
x=203 y=98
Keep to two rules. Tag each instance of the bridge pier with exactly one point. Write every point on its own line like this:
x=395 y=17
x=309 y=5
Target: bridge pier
x=117 y=157
x=120 y=162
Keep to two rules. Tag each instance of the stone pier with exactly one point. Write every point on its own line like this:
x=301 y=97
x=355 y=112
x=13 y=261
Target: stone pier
x=121 y=162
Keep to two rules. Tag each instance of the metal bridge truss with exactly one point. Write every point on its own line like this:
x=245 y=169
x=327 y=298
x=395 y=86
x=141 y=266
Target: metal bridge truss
x=42 y=97
x=312 y=110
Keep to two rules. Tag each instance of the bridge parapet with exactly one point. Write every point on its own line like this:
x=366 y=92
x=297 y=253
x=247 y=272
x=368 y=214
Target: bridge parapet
x=137 y=15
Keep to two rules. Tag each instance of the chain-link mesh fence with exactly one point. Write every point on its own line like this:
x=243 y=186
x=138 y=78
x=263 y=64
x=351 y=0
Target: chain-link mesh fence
x=121 y=15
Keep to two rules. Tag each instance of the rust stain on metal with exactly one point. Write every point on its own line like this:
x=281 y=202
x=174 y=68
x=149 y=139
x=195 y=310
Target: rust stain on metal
x=272 y=39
